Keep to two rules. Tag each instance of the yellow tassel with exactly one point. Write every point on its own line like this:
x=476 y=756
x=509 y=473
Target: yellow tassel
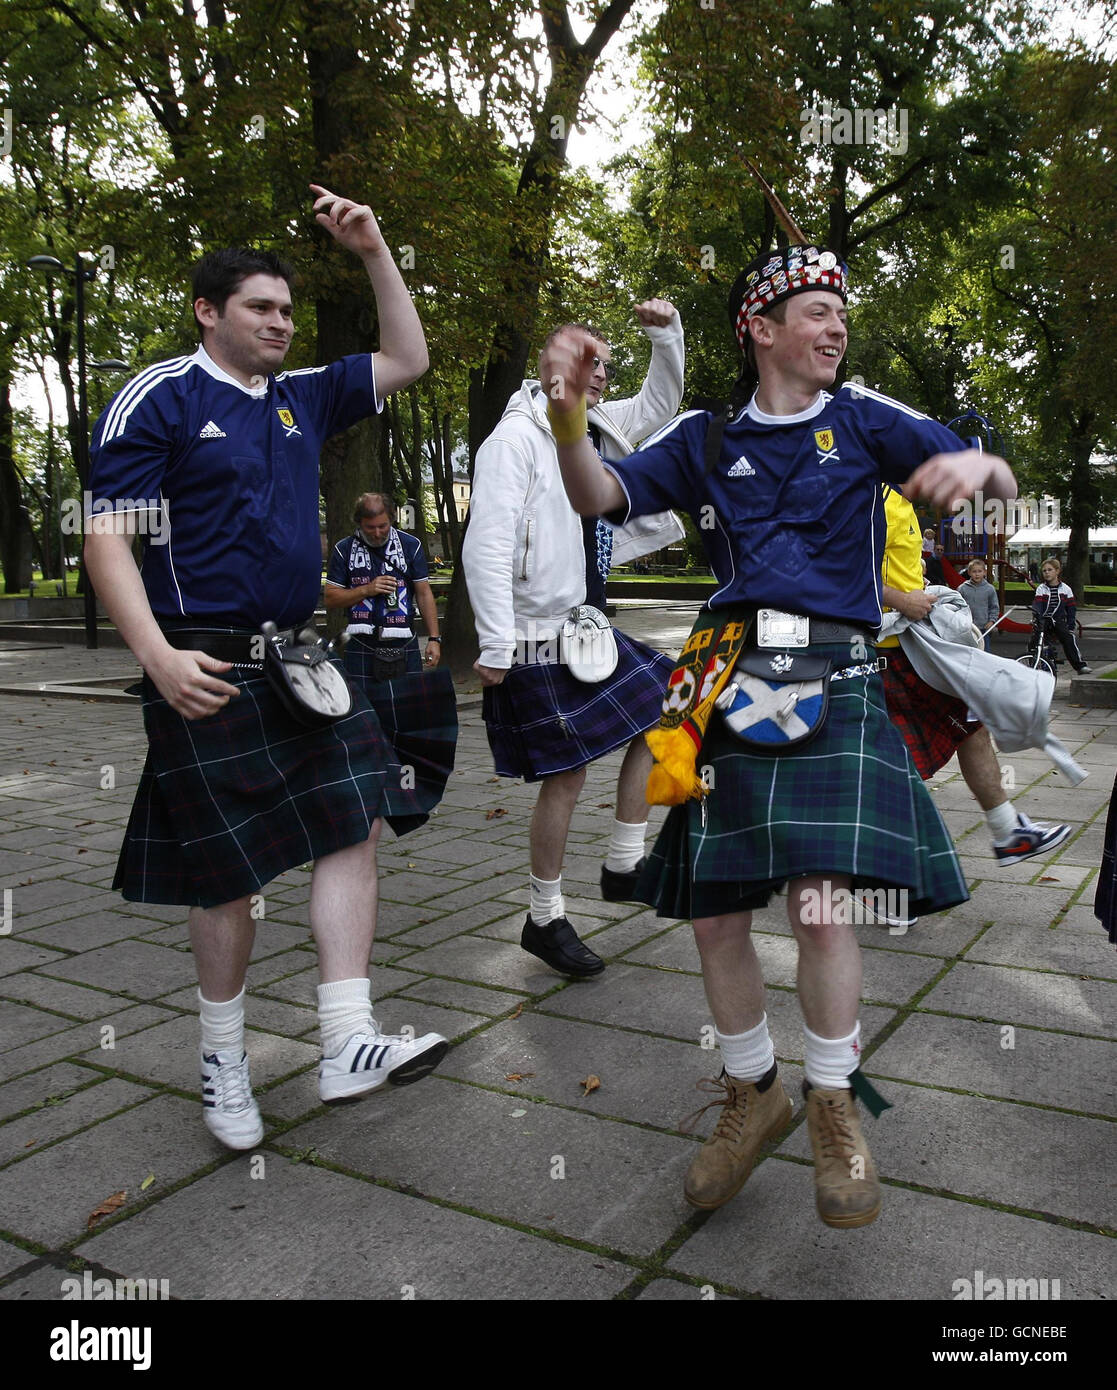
x=672 y=779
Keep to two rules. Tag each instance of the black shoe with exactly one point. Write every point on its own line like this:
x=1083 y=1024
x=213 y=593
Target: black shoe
x=618 y=888
x=558 y=945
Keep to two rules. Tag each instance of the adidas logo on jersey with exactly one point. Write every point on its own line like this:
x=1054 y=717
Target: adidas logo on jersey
x=212 y=431
x=742 y=469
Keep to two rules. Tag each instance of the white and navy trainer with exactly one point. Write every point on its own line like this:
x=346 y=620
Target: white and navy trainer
x=1028 y=839
x=230 y=1112
x=369 y=1059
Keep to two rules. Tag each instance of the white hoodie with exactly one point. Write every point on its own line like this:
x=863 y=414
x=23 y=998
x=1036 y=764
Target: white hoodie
x=524 y=557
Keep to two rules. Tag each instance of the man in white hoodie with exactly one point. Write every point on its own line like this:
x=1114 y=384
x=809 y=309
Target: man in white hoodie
x=529 y=559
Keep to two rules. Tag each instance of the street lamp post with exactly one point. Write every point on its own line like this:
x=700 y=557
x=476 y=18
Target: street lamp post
x=81 y=273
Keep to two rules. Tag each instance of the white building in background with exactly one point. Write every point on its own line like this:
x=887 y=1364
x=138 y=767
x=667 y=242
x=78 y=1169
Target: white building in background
x=461 y=491
x=1033 y=544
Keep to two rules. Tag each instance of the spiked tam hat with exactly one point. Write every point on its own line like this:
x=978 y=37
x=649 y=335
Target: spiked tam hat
x=774 y=276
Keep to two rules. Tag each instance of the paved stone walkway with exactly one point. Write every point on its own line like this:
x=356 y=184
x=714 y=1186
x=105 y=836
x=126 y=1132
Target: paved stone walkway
x=990 y=1028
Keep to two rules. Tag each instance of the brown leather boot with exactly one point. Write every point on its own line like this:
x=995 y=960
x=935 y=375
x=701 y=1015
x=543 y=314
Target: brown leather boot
x=847 y=1189
x=751 y=1116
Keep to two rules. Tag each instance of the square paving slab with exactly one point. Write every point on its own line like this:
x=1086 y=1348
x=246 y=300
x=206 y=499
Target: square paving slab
x=235 y=1237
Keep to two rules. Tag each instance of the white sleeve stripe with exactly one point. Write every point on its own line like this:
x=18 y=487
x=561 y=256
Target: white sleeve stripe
x=885 y=400
x=620 y=483
x=135 y=391
x=665 y=430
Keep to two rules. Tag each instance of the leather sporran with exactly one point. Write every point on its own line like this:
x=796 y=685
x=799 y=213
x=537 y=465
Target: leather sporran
x=776 y=701
x=309 y=685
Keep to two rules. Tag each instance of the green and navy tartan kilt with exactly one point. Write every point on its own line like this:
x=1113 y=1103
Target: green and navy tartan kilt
x=227 y=803
x=418 y=713
x=541 y=720
x=850 y=802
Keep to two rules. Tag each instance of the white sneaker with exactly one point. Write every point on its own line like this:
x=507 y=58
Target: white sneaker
x=230 y=1112
x=369 y=1059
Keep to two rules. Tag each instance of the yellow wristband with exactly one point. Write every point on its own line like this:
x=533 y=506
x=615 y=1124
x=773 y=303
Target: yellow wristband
x=569 y=427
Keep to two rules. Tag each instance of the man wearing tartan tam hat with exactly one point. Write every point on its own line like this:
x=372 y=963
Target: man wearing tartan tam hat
x=790 y=475
x=775 y=276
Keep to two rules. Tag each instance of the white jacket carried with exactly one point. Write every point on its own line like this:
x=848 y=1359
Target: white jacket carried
x=1011 y=700
x=524 y=557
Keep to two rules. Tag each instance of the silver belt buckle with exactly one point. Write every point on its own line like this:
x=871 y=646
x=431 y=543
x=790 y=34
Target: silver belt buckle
x=777 y=629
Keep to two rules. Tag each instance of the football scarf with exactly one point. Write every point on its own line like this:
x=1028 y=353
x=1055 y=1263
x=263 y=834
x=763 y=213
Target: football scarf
x=703 y=668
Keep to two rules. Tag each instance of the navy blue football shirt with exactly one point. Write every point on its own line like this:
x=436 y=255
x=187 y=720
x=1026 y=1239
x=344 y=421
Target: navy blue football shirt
x=791 y=517
x=235 y=471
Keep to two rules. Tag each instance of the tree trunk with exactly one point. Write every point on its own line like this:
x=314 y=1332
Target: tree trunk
x=459 y=632
x=350 y=462
x=1082 y=491
x=15 y=531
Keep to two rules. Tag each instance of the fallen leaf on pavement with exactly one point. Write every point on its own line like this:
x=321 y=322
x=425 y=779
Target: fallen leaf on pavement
x=107 y=1207
x=518 y=1075
x=604 y=805
x=494 y=779
x=147 y=1182
x=1049 y=878
x=591 y=1083
x=519 y=1011
x=496 y=811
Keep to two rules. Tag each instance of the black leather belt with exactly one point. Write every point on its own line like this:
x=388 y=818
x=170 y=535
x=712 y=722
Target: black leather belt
x=822 y=630
x=239 y=647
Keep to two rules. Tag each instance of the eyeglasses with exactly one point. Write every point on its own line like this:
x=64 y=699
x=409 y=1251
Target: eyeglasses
x=610 y=370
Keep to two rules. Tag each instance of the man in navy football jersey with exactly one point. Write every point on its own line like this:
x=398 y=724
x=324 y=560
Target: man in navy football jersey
x=377 y=573
x=236 y=789
x=374 y=573
x=785 y=490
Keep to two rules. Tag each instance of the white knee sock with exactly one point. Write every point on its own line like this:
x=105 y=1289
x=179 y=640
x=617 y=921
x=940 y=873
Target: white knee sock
x=343 y=1009
x=747 y=1056
x=546 y=900
x=626 y=846
x=831 y=1061
x=222 y=1024
x=1002 y=821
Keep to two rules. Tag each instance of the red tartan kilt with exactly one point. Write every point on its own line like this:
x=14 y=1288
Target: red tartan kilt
x=933 y=724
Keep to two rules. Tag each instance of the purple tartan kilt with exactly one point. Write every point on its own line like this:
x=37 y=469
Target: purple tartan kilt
x=541 y=720
x=227 y=803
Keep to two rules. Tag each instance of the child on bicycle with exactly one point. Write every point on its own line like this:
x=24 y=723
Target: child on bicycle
x=1054 y=600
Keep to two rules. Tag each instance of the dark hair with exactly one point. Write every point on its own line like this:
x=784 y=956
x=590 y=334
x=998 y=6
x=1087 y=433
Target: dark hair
x=748 y=378
x=369 y=503
x=220 y=273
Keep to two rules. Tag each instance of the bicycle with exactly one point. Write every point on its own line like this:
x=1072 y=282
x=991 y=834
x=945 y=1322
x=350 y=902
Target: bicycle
x=1042 y=653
